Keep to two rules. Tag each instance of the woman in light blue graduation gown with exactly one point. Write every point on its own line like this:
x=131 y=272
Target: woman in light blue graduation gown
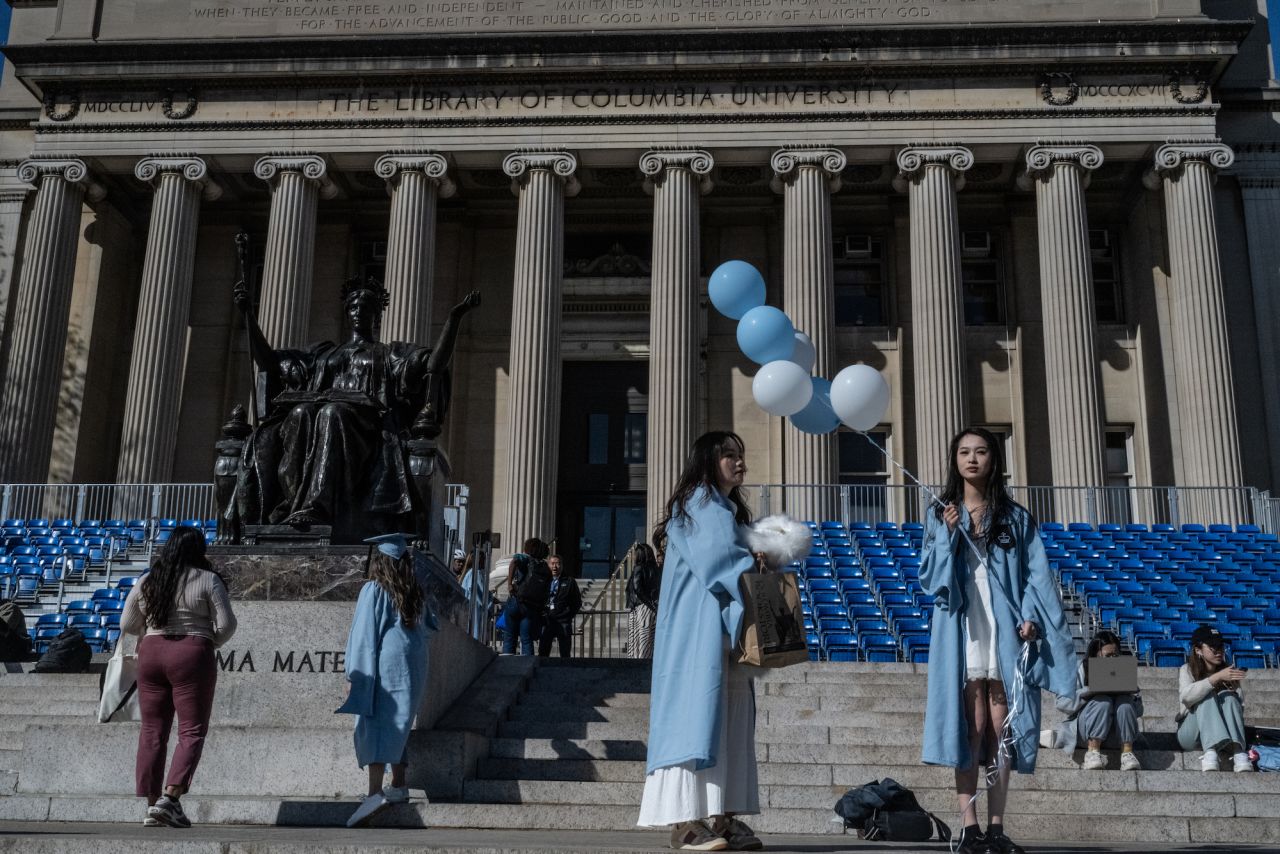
x=985 y=612
x=701 y=762
x=386 y=664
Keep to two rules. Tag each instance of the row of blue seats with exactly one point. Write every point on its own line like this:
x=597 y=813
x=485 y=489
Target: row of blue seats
x=71 y=524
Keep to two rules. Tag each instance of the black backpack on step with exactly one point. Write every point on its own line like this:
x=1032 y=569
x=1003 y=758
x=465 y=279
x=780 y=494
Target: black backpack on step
x=69 y=652
x=888 y=811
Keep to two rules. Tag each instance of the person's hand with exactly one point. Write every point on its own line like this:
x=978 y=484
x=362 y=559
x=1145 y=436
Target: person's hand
x=470 y=301
x=1227 y=676
x=1028 y=631
x=240 y=298
x=762 y=562
x=951 y=515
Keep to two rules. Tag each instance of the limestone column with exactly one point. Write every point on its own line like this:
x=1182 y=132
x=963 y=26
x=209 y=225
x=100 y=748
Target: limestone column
x=541 y=180
x=1259 y=179
x=415 y=182
x=41 y=310
x=12 y=200
x=931 y=175
x=1060 y=174
x=807 y=177
x=297 y=182
x=147 y=442
x=1202 y=359
x=675 y=178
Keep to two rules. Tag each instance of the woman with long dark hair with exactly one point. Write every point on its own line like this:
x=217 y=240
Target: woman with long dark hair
x=1096 y=720
x=701 y=770
x=1211 y=703
x=985 y=563
x=386 y=664
x=182 y=611
x=643 y=590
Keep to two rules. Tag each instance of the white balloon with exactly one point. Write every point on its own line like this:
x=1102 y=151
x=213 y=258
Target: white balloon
x=860 y=396
x=804 y=355
x=782 y=388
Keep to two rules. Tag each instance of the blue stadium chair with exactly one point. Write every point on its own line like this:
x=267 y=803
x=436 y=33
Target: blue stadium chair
x=816 y=584
x=1051 y=527
x=865 y=612
x=1164 y=588
x=1167 y=653
x=1125 y=617
x=1248 y=529
x=79 y=606
x=84 y=621
x=911 y=626
x=849 y=573
x=26 y=590
x=48 y=621
x=1081 y=527
x=892 y=600
x=1221 y=603
x=1233 y=589
x=834 y=624
x=38 y=524
x=1242 y=617
x=106 y=593
x=872 y=626
x=108 y=606
x=1251 y=655
x=111 y=620
x=63 y=524
x=1106 y=606
x=96 y=638
x=828 y=610
x=1219 y=528
x=841 y=646
x=859 y=598
x=879 y=647
x=824 y=597
x=859 y=584
x=1141 y=634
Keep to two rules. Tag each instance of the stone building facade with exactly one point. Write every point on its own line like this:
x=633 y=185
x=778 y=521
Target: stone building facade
x=1054 y=220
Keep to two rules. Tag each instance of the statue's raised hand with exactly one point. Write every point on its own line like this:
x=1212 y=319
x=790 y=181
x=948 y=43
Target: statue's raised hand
x=470 y=301
x=240 y=297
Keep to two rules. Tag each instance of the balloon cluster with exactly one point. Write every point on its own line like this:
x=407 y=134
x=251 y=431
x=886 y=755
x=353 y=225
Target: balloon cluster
x=858 y=396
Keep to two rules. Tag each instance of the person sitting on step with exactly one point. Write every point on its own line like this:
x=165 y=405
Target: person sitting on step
x=1211 y=716
x=1098 y=719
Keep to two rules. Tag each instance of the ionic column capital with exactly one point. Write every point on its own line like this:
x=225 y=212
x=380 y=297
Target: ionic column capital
x=657 y=161
x=310 y=166
x=562 y=164
x=434 y=166
x=70 y=169
x=1172 y=157
x=913 y=159
x=194 y=169
x=787 y=162
x=1043 y=157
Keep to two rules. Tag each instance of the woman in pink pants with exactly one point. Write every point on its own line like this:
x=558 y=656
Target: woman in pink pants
x=183 y=613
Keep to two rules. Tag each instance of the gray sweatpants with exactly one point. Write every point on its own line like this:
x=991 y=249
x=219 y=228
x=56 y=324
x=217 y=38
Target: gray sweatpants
x=1109 y=717
x=1217 y=722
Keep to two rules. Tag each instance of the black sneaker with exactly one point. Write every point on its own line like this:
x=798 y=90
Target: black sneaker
x=970 y=842
x=998 y=843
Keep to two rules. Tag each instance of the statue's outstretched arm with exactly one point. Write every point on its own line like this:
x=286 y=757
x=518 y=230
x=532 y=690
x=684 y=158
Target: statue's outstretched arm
x=264 y=356
x=443 y=352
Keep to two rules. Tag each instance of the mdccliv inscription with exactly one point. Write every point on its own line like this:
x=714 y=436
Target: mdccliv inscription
x=147 y=19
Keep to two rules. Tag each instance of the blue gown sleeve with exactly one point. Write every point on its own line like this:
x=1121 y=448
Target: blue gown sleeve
x=938 y=563
x=1042 y=605
x=362 y=650
x=716 y=554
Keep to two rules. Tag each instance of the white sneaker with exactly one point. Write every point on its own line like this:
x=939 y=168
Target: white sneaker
x=1210 y=761
x=1240 y=763
x=396 y=794
x=1129 y=761
x=368 y=808
x=151 y=822
x=1094 y=761
x=169 y=811
x=1048 y=737
x=696 y=836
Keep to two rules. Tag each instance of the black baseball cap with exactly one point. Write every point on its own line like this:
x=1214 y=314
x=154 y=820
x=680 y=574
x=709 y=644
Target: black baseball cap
x=1208 y=636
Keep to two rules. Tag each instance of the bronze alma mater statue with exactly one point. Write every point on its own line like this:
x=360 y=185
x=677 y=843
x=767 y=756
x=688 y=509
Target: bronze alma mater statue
x=331 y=448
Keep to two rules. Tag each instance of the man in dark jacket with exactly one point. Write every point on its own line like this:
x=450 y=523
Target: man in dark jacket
x=563 y=605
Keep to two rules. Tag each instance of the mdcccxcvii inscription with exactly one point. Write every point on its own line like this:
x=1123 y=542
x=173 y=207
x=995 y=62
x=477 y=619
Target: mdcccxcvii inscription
x=279 y=661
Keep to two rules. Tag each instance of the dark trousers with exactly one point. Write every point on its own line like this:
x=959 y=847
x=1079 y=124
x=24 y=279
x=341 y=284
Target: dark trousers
x=522 y=622
x=556 y=629
x=175 y=673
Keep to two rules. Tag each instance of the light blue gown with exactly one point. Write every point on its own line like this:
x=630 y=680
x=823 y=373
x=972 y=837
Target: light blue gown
x=387 y=667
x=699 y=604
x=1022 y=588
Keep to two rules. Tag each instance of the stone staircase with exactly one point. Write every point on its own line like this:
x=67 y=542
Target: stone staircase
x=553 y=744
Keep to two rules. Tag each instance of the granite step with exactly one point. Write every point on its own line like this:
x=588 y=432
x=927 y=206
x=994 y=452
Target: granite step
x=44 y=709
x=43 y=693
x=1024 y=824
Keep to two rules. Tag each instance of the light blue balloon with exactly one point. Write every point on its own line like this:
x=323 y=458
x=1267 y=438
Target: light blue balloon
x=735 y=288
x=766 y=335
x=818 y=418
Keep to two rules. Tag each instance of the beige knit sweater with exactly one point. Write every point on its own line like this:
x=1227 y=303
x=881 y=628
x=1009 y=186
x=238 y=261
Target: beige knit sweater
x=202 y=608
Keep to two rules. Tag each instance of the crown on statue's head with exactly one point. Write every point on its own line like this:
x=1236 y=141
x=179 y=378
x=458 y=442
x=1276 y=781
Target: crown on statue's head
x=355 y=284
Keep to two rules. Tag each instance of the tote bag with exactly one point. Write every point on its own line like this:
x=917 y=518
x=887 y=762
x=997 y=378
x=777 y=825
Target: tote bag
x=772 y=622
x=120 y=686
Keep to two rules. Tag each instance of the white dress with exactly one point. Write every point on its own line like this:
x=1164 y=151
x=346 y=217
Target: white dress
x=680 y=793
x=980 y=657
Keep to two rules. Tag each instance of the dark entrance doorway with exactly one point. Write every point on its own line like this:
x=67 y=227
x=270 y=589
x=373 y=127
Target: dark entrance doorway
x=600 y=509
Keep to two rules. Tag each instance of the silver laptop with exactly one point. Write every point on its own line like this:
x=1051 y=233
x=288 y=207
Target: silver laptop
x=1117 y=675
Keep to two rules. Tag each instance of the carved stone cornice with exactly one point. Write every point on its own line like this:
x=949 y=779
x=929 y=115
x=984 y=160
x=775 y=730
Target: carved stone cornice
x=786 y=162
x=190 y=167
x=656 y=161
x=434 y=166
x=913 y=160
x=562 y=164
x=1173 y=157
x=71 y=169
x=309 y=166
x=1042 y=157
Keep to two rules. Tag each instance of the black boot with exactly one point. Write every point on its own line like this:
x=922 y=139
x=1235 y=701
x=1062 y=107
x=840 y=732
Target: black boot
x=972 y=841
x=998 y=843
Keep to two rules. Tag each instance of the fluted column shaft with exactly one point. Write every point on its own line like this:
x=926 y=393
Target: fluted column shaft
x=415 y=182
x=149 y=437
x=1060 y=174
x=285 y=305
x=1260 y=191
x=807 y=178
x=676 y=179
x=41 y=311
x=541 y=180
x=931 y=176
x=1206 y=399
